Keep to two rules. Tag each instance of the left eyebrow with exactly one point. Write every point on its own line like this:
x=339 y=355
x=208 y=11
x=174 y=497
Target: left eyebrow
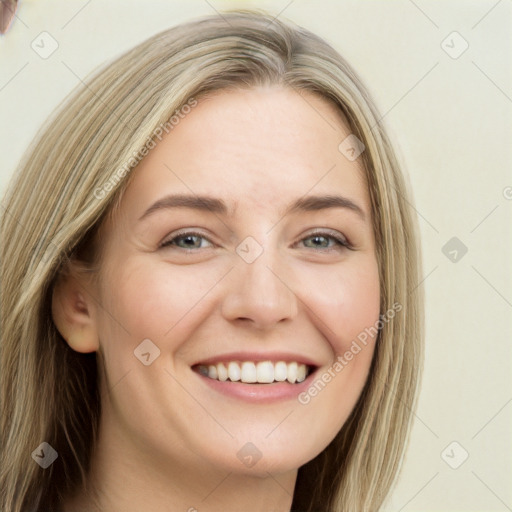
x=313 y=203
x=214 y=205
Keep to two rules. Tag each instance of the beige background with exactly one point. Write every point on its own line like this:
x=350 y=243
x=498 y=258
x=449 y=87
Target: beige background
x=452 y=121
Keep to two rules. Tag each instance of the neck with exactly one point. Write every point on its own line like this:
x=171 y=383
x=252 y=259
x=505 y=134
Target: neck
x=126 y=477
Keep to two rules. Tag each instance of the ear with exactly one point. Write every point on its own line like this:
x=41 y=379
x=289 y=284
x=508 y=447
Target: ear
x=74 y=311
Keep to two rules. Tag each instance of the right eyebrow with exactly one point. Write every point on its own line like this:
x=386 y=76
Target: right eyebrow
x=204 y=203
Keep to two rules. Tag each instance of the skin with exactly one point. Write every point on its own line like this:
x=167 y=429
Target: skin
x=167 y=441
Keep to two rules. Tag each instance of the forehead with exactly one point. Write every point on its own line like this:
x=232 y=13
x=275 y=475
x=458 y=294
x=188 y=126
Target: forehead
x=255 y=148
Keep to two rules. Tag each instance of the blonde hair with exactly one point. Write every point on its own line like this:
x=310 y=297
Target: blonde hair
x=53 y=211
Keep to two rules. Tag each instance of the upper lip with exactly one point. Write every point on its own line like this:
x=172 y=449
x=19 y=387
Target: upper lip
x=287 y=357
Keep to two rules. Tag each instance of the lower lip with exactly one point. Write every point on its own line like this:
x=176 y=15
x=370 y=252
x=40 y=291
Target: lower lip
x=261 y=393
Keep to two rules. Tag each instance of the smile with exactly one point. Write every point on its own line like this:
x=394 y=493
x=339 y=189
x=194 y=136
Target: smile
x=262 y=372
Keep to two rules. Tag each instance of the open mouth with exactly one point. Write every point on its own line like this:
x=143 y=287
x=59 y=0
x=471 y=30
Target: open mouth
x=261 y=372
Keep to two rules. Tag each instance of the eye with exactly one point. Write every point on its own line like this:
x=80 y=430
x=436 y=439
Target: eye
x=188 y=240
x=191 y=240
x=322 y=240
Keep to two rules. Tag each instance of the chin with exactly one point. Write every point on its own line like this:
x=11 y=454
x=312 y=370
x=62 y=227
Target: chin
x=259 y=456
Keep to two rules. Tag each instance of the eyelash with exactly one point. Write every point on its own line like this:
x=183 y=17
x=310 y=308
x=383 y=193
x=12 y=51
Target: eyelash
x=340 y=242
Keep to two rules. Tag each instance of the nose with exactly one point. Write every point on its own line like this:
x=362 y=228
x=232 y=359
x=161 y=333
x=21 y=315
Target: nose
x=260 y=293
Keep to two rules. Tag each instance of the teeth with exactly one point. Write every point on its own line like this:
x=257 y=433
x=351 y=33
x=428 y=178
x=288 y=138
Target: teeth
x=222 y=372
x=212 y=371
x=263 y=372
x=249 y=372
x=234 y=372
x=280 y=371
x=301 y=373
x=292 y=372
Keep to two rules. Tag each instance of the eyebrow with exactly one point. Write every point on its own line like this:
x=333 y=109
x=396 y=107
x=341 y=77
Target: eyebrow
x=214 y=205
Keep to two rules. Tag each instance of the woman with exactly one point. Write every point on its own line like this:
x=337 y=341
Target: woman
x=209 y=273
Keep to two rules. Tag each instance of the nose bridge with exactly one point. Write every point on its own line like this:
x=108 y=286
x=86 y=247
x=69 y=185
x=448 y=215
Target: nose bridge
x=258 y=290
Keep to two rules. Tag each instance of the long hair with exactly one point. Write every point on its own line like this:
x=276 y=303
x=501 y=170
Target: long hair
x=72 y=178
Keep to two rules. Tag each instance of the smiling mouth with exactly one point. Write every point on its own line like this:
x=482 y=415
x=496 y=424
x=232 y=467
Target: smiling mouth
x=261 y=372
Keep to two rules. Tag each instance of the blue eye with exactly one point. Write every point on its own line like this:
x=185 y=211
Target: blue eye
x=191 y=240
x=322 y=241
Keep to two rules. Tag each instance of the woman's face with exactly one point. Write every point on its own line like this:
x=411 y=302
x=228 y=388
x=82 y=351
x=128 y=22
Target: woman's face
x=224 y=255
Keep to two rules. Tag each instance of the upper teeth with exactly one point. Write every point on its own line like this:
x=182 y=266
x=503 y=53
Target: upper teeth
x=264 y=372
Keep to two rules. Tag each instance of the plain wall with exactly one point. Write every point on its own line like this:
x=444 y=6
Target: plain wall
x=451 y=119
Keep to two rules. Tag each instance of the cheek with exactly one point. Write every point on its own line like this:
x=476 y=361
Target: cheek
x=347 y=309
x=154 y=301
x=346 y=301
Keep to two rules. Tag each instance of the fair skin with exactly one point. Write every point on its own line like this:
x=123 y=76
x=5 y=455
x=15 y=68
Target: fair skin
x=170 y=438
